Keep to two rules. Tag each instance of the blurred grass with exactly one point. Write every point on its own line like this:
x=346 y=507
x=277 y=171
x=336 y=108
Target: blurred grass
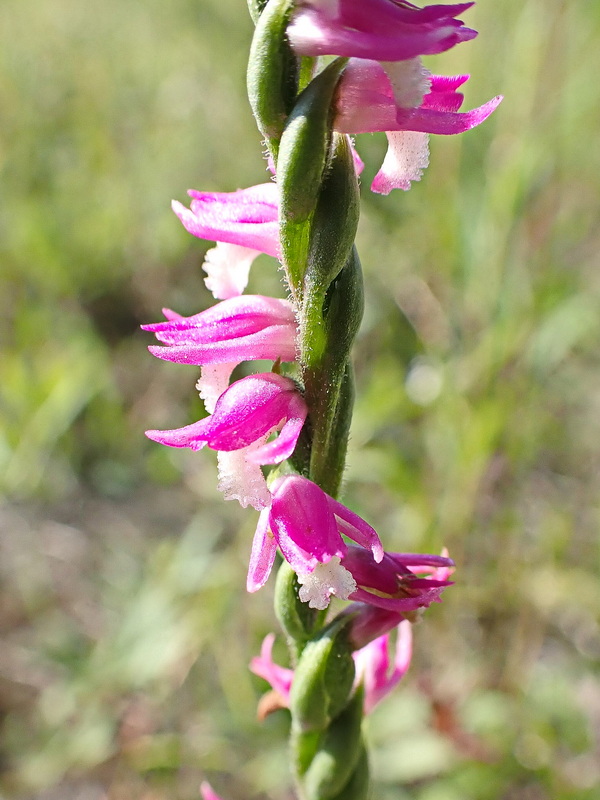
x=126 y=630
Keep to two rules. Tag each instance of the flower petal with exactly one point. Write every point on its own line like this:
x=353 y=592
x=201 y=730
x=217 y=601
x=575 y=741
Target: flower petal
x=263 y=553
x=303 y=524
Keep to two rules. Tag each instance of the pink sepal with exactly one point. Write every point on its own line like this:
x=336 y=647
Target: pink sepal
x=280 y=678
x=263 y=553
x=247 y=217
x=384 y=32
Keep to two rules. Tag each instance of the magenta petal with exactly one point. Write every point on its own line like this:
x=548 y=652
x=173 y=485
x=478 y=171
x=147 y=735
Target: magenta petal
x=284 y=445
x=444 y=122
x=249 y=409
x=313 y=35
x=192 y=436
x=263 y=554
x=383 y=13
x=280 y=678
x=247 y=217
x=272 y=343
x=237 y=316
x=400 y=604
x=447 y=83
x=373 y=664
x=208 y=792
x=242 y=328
x=422 y=560
x=303 y=524
x=357 y=529
x=367 y=572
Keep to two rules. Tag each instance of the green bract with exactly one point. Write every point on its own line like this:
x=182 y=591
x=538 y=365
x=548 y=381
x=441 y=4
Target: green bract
x=272 y=72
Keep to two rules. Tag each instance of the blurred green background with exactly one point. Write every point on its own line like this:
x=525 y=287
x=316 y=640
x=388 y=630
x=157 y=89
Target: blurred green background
x=125 y=627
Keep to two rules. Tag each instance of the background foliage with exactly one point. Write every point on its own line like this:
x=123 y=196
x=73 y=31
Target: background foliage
x=126 y=629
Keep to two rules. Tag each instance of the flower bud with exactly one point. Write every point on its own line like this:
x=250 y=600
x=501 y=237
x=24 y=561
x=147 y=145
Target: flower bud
x=323 y=679
x=272 y=71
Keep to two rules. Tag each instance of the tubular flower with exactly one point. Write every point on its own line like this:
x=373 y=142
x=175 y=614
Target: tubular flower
x=395 y=583
x=307 y=525
x=373 y=668
x=243 y=223
x=387 y=30
x=245 y=415
x=408 y=103
x=240 y=329
x=370 y=622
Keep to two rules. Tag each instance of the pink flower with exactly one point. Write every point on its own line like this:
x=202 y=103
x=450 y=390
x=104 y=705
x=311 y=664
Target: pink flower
x=374 y=670
x=280 y=678
x=394 y=583
x=243 y=223
x=386 y=30
x=307 y=525
x=370 y=622
x=243 y=328
x=245 y=415
x=406 y=102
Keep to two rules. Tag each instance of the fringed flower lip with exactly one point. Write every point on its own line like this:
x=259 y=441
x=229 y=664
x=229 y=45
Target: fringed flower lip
x=407 y=102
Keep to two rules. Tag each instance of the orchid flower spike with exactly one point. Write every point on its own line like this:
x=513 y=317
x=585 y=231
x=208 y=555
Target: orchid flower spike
x=307 y=525
x=243 y=328
x=245 y=415
x=243 y=223
x=408 y=103
x=386 y=30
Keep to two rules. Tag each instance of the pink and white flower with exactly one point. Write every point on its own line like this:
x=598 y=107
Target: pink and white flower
x=408 y=103
x=386 y=30
x=307 y=525
x=239 y=329
x=376 y=671
x=245 y=416
x=243 y=223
